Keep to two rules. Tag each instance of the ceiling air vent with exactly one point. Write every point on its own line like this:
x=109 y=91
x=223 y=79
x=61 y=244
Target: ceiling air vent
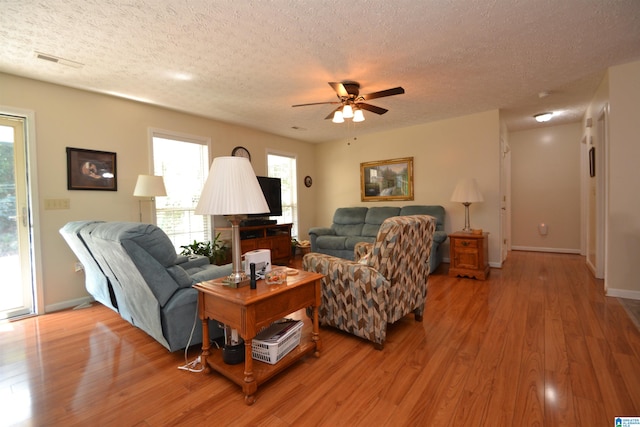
x=58 y=60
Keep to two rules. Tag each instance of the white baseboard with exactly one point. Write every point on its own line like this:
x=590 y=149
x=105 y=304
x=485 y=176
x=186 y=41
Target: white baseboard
x=67 y=304
x=623 y=293
x=538 y=249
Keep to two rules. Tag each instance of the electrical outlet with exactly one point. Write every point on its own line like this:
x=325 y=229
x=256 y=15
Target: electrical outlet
x=51 y=204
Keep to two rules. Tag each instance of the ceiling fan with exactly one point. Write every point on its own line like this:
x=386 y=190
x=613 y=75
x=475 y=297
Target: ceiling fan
x=351 y=103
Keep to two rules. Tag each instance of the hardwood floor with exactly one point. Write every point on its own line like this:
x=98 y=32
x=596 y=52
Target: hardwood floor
x=536 y=344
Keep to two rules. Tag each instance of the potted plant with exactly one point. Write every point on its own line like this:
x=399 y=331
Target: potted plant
x=294 y=245
x=216 y=251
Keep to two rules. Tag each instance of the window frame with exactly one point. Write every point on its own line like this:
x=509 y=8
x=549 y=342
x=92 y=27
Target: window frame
x=294 y=184
x=185 y=138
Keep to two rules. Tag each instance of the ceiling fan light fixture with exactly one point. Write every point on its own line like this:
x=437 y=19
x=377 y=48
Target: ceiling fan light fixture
x=543 y=117
x=358 y=116
x=337 y=117
x=347 y=111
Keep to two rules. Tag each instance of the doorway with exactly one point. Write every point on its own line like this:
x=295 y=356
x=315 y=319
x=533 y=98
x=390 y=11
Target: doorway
x=17 y=291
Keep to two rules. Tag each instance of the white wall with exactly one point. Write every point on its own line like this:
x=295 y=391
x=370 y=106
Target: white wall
x=68 y=117
x=443 y=152
x=545 y=184
x=623 y=216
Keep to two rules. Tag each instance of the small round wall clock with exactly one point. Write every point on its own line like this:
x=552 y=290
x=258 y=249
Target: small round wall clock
x=308 y=181
x=241 y=152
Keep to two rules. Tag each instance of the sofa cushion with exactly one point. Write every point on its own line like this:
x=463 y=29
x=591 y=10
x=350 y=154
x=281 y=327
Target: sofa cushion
x=348 y=230
x=376 y=216
x=350 y=241
x=331 y=242
x=434 y=210
x=349 y=221
x=354 y=215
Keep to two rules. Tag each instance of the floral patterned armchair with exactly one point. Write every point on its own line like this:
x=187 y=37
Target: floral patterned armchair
x=387 y=280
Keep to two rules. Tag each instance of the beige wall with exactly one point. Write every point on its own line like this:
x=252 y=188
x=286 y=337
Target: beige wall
x=443 y=152
x=545 y=184
x=623 y=216
x=73 y=118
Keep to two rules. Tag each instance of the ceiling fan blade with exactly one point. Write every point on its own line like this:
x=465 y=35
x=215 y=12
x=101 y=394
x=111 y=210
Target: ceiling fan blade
x=389 y=92
x=330 y=116
x=340 y=89
x=316 y=103
x=371 y=108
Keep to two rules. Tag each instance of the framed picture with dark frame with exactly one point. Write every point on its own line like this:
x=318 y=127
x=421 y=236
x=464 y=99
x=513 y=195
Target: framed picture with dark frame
x=91 y=170
x=387 y=180
x=592 y=161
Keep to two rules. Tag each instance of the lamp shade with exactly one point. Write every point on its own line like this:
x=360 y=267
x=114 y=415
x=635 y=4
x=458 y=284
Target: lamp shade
x=347 y=111
x=231 y=189
x=467 y=191
x=149 y=186
x=337 y=117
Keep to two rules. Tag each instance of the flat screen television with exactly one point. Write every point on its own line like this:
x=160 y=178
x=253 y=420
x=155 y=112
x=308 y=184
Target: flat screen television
x=272 y=190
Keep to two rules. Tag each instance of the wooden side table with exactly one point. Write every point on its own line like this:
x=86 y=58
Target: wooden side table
x=248 y=311
x=469 y=255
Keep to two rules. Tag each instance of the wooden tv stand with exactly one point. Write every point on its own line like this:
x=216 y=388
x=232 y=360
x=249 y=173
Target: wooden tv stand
x=275 y=237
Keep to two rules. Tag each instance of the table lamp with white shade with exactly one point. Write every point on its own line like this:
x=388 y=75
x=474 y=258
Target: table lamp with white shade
x=467 y=192
x=232 y=190
x=149 y=186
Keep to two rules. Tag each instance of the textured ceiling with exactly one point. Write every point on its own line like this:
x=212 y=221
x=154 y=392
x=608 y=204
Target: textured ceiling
x=247 y=62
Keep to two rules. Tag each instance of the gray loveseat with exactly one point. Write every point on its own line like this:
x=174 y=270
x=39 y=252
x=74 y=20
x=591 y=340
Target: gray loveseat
x=133 y=269
x=361 y=224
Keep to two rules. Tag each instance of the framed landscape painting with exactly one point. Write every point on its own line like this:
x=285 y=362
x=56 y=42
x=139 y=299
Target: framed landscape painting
x=387 y=180
x=91 y=170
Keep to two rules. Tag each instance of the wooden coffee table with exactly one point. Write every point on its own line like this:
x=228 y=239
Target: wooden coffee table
x=249 y=310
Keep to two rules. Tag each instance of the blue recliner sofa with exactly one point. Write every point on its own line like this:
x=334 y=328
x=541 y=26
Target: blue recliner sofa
x=361 y=224
x=133 y=269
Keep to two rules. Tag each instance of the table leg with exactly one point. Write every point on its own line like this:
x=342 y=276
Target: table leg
x=206 y=345
x=250 y=386
x=315 y=333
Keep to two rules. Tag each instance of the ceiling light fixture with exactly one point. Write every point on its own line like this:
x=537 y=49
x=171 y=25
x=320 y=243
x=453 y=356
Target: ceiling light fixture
x=337 y=117
x=358 y=116
x=347 y=111
x=543 y=117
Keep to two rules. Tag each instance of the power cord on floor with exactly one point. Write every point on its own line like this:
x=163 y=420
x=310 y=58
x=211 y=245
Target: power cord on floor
x=193 y=365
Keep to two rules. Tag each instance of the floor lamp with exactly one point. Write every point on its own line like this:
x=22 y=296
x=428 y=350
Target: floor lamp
x=467 y=192
x=232 y=190
x=148 y=186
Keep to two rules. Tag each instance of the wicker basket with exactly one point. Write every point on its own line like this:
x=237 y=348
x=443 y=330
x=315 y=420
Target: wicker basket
x=270 y=351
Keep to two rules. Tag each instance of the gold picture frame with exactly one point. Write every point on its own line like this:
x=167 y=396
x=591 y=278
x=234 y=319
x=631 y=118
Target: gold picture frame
x=387 y=180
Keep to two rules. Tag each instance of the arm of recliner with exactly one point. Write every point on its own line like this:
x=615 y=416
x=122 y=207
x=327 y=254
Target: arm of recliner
x=343 y=270
x=192 y=261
